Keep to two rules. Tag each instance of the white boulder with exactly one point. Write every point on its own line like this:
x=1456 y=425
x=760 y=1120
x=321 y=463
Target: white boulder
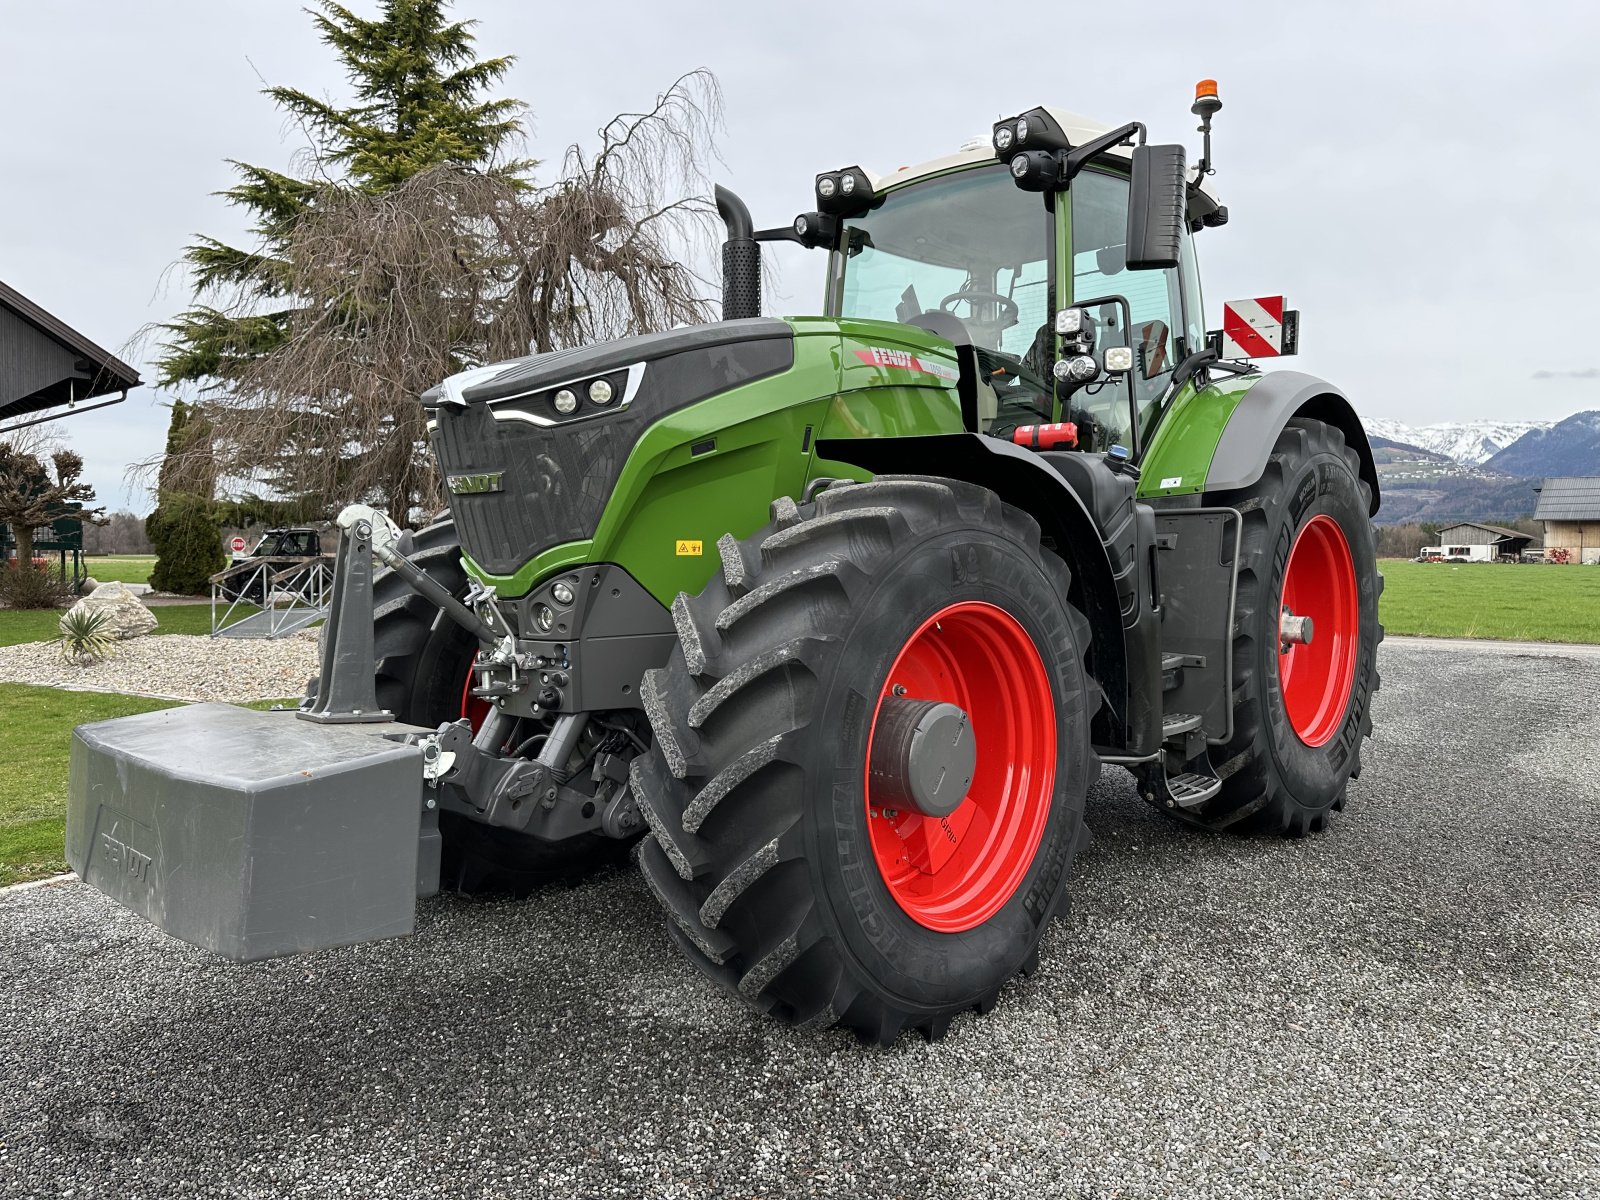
x=127 y=615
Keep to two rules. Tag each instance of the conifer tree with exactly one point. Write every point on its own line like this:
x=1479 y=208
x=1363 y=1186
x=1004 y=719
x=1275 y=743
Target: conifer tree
x=417 y=103
x=415 y=243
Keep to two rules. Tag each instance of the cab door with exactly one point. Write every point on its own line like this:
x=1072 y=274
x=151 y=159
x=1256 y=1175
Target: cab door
x=1157 y=323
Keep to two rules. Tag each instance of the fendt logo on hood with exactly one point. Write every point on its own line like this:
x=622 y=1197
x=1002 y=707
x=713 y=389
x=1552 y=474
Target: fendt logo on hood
x=477 y=485
x=904 y=360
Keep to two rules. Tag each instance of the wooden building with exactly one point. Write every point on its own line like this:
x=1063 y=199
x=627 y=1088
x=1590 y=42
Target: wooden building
x=49 y=370
x=1499 y=542
x=1570 y=510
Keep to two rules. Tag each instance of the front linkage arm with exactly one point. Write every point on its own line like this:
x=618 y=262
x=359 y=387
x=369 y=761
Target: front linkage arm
x=470 y=773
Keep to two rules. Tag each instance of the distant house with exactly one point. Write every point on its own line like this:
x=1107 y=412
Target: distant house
x=1570 y=510
x=1479 y=542
x=49 y=370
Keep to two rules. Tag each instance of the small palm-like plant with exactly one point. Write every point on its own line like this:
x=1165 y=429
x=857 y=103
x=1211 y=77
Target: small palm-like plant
x=86 y=636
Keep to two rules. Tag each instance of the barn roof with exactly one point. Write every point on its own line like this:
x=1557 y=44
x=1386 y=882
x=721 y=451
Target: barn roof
x=1498 y=530
x=1570 y=498
x=46 y=364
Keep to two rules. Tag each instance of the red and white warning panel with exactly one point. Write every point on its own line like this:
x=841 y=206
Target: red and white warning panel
x=1261 y=328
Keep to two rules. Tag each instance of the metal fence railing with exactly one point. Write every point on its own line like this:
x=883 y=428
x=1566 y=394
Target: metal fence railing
x=270 y=597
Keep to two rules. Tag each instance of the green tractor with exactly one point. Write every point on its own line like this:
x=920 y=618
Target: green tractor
x=844 y=614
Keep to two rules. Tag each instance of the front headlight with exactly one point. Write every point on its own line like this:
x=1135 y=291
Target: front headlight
x=1080 y=368
x=566 y=401
x=600 y=392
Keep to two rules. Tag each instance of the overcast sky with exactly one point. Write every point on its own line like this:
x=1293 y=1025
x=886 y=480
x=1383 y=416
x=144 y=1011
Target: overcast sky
x=1419 y=178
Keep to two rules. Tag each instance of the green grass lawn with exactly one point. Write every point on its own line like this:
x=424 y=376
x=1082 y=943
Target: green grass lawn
x=124 y=568
x=1527 y=602
x=39 y=625
x=33 y=787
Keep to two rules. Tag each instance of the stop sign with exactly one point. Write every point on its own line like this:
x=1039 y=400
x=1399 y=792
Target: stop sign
x=237 y=545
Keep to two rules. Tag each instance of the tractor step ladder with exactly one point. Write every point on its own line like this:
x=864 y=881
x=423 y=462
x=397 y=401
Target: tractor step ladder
x=1185 y=746
x=1177 y=724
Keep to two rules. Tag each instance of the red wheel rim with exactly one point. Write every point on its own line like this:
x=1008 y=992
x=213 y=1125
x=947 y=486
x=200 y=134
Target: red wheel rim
x=954 y=873
x=1316 y=676
x=473 y=708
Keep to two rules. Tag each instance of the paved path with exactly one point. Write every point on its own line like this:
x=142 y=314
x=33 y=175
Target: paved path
x=1404 y=1006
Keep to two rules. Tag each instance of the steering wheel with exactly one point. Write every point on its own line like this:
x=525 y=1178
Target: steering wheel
x=1008 y=307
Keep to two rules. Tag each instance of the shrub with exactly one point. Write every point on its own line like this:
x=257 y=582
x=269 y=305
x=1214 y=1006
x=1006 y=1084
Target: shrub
x=86 y=636
x=188 y=542
x=31 y=587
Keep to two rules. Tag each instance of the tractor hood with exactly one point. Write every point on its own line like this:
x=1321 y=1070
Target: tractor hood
x=520 y=380
x=531 y=449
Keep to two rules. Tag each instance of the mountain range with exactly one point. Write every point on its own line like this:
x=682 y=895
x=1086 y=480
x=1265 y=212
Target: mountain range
x=1464 y=442
x=1476 y=470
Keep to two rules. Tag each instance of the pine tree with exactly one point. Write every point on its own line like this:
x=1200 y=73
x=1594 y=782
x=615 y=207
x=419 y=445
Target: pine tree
x=416 y=244
x=418 y=103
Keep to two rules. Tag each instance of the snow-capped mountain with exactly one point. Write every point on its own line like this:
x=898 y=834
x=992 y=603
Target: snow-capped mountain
x=1471 y=442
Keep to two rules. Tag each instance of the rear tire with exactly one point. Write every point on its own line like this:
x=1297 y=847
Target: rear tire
x=1294 y=750
x=423 y=660
x=772 y=853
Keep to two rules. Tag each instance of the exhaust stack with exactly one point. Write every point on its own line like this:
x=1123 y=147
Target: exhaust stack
x=741 y=259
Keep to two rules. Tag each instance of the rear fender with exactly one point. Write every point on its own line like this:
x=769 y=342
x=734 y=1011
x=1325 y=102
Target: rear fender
x=1248 y=438
x=1023 y=480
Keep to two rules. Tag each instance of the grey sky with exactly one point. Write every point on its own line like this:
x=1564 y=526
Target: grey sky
x=1418 y=178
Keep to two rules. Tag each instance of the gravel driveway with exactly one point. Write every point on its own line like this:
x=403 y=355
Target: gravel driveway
x=176 y=666
x=1404 y=1006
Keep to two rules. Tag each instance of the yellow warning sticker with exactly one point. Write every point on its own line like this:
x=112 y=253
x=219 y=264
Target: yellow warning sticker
x=689 y=548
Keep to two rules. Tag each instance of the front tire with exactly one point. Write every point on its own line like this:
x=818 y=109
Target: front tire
x=785 y=874
x=1301 y=714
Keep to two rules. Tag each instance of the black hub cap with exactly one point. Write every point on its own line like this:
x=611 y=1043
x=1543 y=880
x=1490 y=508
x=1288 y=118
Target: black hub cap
x=923 y=756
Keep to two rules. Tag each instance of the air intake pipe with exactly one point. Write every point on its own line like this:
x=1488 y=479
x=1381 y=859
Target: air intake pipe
x=741 y=259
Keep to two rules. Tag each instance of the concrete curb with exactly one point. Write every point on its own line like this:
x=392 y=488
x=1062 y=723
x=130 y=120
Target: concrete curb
x=1493 y=646
x=38 y=883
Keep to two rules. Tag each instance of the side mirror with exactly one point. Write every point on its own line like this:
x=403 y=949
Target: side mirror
x=1156 y=207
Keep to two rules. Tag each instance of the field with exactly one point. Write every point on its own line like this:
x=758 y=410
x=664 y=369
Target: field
x=124 y=568
x=1528 y=602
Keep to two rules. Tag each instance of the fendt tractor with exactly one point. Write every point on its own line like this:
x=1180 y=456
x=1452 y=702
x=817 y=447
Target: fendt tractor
x=835 y=618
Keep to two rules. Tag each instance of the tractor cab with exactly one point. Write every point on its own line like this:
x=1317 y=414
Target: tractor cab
x=971 y=248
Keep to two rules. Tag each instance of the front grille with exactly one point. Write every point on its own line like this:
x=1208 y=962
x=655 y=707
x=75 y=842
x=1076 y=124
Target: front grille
x=554 y=487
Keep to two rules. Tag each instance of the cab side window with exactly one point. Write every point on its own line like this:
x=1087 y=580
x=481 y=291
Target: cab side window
x=1155 y=304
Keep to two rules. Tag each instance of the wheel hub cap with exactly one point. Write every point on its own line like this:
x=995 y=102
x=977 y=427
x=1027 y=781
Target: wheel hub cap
x=923 y=753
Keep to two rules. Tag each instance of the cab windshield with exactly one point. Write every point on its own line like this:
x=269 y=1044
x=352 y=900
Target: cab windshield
x=973 y=245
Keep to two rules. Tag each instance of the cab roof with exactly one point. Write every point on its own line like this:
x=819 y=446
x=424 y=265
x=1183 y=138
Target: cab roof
x=1078 y=128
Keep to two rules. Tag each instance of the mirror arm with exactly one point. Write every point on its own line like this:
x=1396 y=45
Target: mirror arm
x=782 y=234
x=1193 y=364
x=1079 y=158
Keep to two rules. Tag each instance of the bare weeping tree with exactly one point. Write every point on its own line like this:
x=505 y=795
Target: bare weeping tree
x=449 y=269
